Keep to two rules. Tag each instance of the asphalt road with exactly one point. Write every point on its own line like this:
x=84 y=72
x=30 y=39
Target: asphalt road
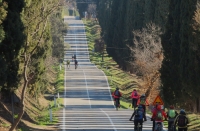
x=87 y=98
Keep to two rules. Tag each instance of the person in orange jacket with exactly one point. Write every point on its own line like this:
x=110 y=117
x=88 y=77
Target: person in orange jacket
x=144 y=102
x=116 y=95
x=158 y=116
x=135 y=96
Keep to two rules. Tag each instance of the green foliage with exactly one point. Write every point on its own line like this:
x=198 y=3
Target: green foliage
x=116 y=76
x=58 y=30
x=180 y=69
x=3 y=14
x=118 y=19
x=15 y=116
x=179 y=21
x=44 y=44
x=11 y=43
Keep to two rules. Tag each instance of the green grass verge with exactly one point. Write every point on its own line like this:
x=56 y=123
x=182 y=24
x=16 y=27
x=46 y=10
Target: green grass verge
x=116 y=76
x=44 y=118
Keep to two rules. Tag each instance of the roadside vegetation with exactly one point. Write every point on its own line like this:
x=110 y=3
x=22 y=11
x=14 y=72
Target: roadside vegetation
x=30 y=64
x=116 y=76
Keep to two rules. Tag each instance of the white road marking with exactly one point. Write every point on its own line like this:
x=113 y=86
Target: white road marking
x=87 y=88
x=109 y=120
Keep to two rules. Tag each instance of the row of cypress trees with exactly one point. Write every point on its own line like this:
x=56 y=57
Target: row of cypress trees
x=179 y=22
x=26 y=32
x=31 y=43
x=180 y=72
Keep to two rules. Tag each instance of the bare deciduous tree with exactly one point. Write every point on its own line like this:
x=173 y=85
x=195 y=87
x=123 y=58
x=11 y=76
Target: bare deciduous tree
x=100 y=46
x=148 y=56
x=92 y=10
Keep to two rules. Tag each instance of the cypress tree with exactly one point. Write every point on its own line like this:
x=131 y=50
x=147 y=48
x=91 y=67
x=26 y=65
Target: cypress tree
x=11 y=45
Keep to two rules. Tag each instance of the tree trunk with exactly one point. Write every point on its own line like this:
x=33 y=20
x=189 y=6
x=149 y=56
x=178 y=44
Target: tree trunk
x=198 y=104
x=102 y=56
x=151 y=82
x=22 y=108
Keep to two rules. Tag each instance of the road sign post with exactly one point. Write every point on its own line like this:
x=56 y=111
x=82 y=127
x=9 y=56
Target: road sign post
x=159 y=101
x=50 y=113
x=54 y=101
x=58 y=95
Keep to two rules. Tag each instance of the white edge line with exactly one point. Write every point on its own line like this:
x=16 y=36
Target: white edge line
x=109 y=120
x=86 y=85
x=99 y=69
x=87 y=46
x=64 y=98
x=108 y=86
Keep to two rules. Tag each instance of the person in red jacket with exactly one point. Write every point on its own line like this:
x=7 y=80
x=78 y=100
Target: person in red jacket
x=158 y=116
x=152 y=111
x=135 y=96
x=116 y=95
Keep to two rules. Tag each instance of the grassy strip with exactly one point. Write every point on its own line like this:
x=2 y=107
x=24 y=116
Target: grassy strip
x=44 y=118
x=194 y=122
x=116 y=76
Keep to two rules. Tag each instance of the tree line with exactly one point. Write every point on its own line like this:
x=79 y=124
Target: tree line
x=157 y=40
x=31 y=42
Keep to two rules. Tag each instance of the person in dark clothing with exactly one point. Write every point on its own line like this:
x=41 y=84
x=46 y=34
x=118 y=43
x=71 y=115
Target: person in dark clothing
x=144 y=102
x=182 y=121
x=76 y=63
x=139 y=116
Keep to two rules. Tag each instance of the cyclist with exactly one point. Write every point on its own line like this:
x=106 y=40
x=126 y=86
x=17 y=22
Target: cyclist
x=139 y=116
x=143 y=101
x=152 y=111
x=158 y=116
x=116 y=95
x=182 y=121
x=72 y=58
x=135 y=96
x=171 y=114
x=68 y=64
x=76 y=64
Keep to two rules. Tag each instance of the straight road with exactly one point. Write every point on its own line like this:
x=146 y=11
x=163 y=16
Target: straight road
x=87 y=97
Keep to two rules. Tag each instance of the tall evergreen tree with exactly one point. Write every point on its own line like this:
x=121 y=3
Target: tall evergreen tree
x=11 y=45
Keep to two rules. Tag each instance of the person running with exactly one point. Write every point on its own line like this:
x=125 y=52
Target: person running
x=135 y=96
x=68 y=64
x=144 y=102
x=139 y=116
x=116 y=95
x=158 y=116
x=76 y=63
x=171 y=114
x=182 y=121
